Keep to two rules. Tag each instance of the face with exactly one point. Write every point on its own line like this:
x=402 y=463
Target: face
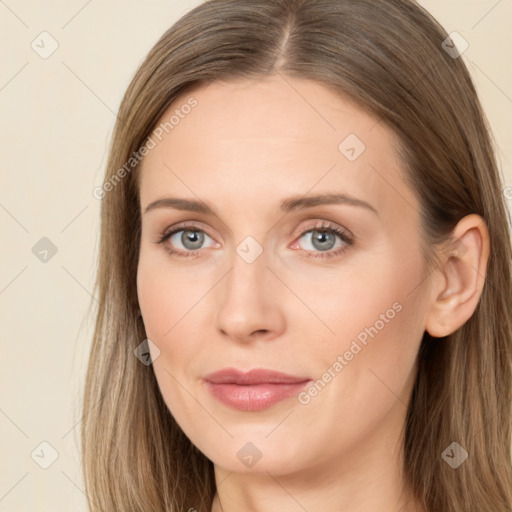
x=330 y=290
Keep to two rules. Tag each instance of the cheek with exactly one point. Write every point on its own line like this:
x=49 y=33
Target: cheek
x=166 y=295
x=173 y=311
x=379 y=324
x=164 y=302
x=365 y=374
x=370 y=297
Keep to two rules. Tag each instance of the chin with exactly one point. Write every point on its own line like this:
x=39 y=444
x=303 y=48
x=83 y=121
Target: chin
x=252 y=453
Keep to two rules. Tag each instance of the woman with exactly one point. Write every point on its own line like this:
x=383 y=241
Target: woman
x=304 y=272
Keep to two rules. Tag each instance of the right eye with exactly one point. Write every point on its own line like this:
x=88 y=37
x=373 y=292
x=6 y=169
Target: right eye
x=189 y=236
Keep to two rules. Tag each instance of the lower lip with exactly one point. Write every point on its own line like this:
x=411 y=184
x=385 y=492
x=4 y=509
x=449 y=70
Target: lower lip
x=254 y=397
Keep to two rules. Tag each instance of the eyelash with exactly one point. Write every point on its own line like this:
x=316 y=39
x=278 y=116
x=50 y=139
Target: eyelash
x=323 y=227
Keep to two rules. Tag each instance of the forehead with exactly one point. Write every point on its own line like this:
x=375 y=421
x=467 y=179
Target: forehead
x=275 y=107
x=270 y=138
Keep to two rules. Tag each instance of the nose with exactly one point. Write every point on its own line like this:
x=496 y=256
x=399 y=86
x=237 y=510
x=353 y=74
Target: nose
x=249 y=302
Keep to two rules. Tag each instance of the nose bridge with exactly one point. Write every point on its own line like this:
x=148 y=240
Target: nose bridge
x=248 y=271
x=247 y=304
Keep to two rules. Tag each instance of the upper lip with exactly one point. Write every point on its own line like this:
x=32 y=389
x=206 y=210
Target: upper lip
x=255 y=376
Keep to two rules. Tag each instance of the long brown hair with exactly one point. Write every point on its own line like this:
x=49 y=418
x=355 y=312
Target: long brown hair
x=387 y=56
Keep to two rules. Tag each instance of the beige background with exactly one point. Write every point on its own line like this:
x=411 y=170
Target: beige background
x=57 y=115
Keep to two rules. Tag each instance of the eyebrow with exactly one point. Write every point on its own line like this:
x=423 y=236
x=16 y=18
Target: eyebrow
x=288 y=205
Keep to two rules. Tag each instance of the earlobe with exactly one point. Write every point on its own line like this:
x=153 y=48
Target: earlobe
x=460 y=277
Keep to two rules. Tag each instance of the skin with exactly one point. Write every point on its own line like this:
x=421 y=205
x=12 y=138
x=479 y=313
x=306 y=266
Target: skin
x=246 y=147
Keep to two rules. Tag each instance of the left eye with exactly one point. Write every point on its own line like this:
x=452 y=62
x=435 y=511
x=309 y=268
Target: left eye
x=321 y=240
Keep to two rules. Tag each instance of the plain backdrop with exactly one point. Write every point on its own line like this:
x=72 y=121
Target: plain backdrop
x=57 y=115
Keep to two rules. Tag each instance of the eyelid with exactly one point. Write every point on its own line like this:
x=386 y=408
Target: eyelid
x=324 y=225
x=192 y=225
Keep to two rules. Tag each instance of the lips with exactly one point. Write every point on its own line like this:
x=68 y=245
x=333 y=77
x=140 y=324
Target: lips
x=255 y=390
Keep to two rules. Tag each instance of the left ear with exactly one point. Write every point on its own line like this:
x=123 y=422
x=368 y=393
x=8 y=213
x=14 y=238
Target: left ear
x=460 y=277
